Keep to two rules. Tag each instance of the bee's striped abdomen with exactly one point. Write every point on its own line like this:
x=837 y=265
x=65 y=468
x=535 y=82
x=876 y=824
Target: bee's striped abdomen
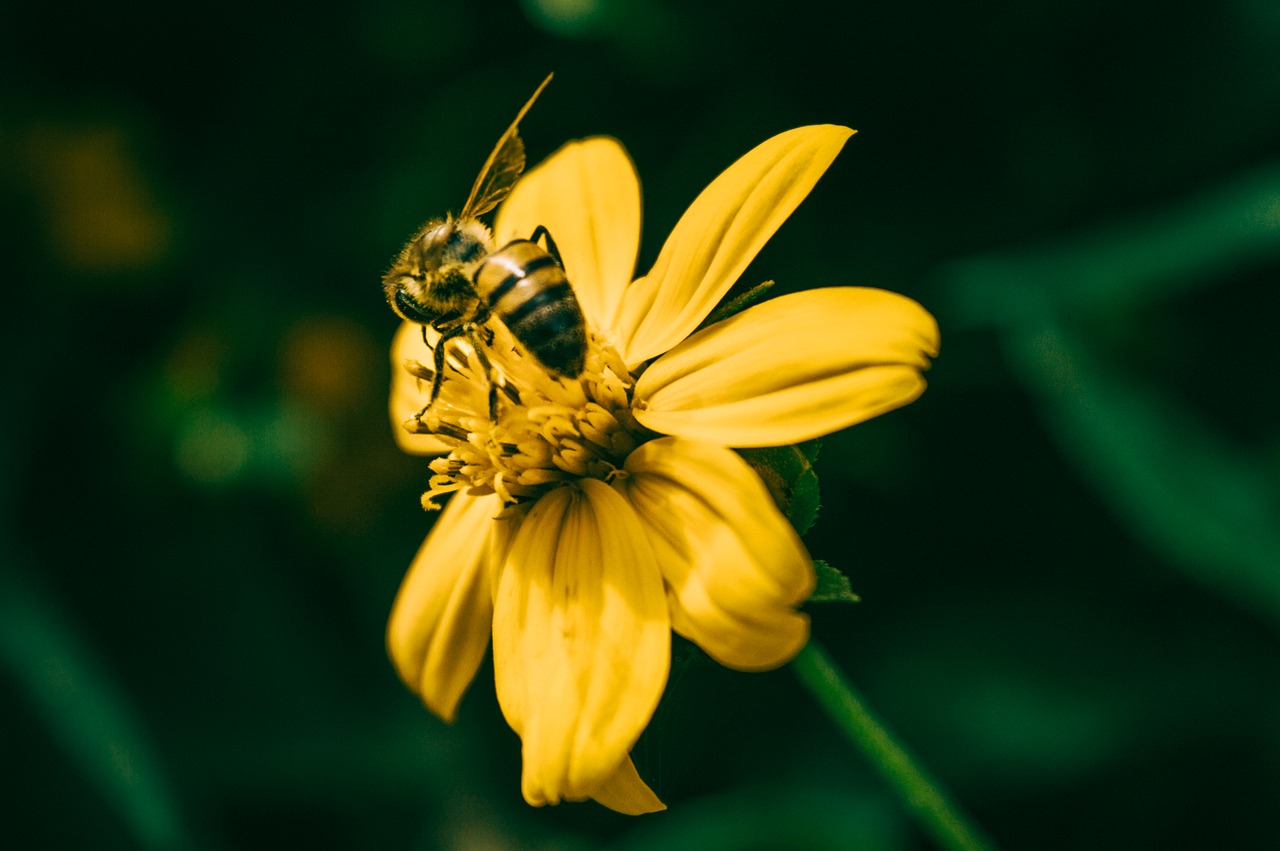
x=528 y=291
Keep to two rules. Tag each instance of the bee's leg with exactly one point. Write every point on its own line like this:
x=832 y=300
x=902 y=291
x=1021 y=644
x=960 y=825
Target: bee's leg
x=481 y=326
x=476 y=332
x=541 y=231
x=438 y=355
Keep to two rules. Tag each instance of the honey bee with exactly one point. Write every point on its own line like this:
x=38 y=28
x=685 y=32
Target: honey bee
x=450 y=277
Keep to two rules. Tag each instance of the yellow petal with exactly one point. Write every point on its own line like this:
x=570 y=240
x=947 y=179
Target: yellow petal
x=719 y=235
x=735 y=568
x=588 y=196
x=408 y=394
x=440 y=623
x=793 y=368
x=581 y=640
x=626 y=793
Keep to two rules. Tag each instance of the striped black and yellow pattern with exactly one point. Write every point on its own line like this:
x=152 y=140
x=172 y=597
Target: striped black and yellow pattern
x=528 y=291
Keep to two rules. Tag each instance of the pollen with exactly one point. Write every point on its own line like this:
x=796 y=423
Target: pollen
x=548 y=431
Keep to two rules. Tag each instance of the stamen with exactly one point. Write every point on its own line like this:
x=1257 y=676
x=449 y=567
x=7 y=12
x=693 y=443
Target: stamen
x=510 y=392
x=539 y=477
x=547 y=432
x=418 y=370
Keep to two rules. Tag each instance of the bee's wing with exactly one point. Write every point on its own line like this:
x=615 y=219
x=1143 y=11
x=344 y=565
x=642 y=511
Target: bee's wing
x=502 y=169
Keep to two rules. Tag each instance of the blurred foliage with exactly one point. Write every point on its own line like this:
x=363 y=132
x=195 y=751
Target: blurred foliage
x=1067 y=550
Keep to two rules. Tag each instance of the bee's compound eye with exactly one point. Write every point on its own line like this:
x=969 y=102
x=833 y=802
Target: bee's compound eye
x=441 y=235
x=411 y=310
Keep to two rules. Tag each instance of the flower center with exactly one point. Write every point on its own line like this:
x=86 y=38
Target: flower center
x=548 y=431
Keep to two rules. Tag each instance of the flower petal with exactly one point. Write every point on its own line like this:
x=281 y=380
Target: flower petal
x=587 y=195
x=626 y=793
x=719 y=235
x=792 y=368
x=408 y=395
x=581 y=640
x=440 y=623
x=735 y=568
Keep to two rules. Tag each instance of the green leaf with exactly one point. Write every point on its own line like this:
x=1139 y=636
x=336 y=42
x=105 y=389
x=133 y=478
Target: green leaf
x=833 y=586
x=737 y=304
x=1207 y=505
x=87 y=710
x=1153 y=257
x=788 y=473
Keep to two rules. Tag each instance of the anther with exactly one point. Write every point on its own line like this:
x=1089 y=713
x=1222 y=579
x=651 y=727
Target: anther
x=448 y=429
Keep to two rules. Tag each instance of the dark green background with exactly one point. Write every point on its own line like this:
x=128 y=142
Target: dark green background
x=1068 y=551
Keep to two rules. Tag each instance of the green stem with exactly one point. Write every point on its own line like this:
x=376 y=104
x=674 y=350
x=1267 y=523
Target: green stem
x=942 y=819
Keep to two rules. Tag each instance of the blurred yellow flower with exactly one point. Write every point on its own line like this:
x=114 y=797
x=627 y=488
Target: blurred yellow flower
x=594 y=516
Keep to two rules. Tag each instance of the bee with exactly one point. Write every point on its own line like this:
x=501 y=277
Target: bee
x=450 y=277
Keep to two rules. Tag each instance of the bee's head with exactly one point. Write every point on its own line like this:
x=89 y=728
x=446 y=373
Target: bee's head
x=407 y=281
x=431 y=277
x=432 y=246
x=403 y=303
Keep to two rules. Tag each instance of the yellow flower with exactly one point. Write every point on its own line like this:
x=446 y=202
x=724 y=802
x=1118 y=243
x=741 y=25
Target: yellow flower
x=594 y=516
